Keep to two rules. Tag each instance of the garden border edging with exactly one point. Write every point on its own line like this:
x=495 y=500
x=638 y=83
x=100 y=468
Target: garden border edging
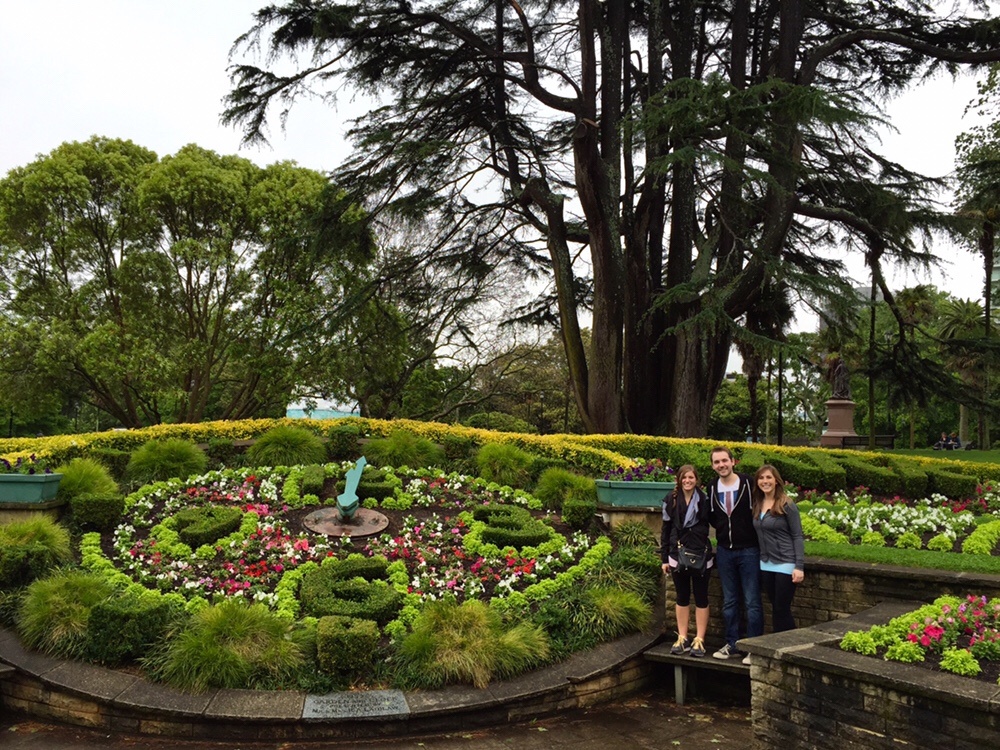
x=96 y=697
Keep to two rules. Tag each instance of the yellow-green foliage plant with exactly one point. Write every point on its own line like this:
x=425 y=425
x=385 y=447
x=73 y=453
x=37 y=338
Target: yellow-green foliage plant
x=469 y=643
x=55 y=610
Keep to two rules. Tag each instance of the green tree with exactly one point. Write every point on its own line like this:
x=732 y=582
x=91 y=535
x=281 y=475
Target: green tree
x=710 y=148
x=169 y=290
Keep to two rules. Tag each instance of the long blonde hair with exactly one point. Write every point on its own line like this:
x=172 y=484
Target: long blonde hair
x=781 y=498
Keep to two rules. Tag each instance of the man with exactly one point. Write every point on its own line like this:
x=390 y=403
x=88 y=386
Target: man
x=737 y=556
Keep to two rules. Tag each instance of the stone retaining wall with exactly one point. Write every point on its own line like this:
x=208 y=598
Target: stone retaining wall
x=834 y=589
x=808 y=694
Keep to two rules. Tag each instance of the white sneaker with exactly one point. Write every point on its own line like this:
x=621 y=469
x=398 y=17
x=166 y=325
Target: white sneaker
x=725 y=652
x=746 y=660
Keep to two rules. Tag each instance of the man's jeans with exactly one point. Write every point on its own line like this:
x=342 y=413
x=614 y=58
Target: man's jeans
x=739 y=574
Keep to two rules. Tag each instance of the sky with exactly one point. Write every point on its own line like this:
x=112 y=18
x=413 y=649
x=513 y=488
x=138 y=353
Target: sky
x=155 y=73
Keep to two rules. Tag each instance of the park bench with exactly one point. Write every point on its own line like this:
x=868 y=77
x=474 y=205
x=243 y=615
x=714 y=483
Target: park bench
x=861 y=441
x=685 y=666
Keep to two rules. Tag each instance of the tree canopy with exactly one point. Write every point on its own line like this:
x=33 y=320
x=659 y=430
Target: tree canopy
x=173 y=289
x=673 y=159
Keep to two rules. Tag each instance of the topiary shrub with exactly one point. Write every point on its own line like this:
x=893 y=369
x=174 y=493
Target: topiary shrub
x=313 y=479
x=285 y=445
x=229 y=645
x=342 y=442
x=555 y=485
x=122 y=628
x=31 y=548
x=403 y=448
x=352 y=588
x=504 y=463
x=511 y=526
x=457 y=447
x=98 y=510
x=55 y=611
x=346 y=645
x=85 y=476
x=579 y=513
x=206 y=524
x=159 y=460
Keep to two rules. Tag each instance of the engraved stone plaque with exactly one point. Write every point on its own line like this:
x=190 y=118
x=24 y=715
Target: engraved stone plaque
x=370 y=704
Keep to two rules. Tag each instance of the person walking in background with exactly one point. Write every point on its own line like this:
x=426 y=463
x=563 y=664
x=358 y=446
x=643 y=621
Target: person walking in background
x=686 y=553
x=737 y=556
x=782 y=545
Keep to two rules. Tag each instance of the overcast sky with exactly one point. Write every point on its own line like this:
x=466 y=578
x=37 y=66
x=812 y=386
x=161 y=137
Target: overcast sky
x=155 y=73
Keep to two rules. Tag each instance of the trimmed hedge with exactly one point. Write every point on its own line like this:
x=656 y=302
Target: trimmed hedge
x=834 y=475
x=342 y=442
x=511 y=526
x=115 y=460
x=313 y=479
x=204 y=525
x=367 y=600
x=122 y=628
x=346 y=645
x=578 y=512
x=950 y=483
x=98 y=510
x=879 y=479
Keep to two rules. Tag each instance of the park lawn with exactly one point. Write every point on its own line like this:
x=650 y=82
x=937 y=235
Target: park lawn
x=975 y=456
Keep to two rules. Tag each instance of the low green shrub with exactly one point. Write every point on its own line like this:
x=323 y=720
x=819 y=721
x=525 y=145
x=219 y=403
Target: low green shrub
x=555 y=485
x=350 y=588
x=229 y=645
x=342 y=442
x=286 y=445
x=951 y=484
x=872 y=539
x=206 y=524
x=98 y=510
x=960 y=661
x=469 y=643
x=160 y=460
x=313 y=479
x=85 y=476
x=834 y=475
x=403 y=448
x=223 y=453
x=511 y=526
x=457 y=447
x=860 y=642
x=578 y=512
x=122 y=628
x=983 y=540
x=940 y=543
x=346 y=645
x=799 y=472
x=55 y=611
x=909 y=540
x=504 y=463
x=862 y=472
x=31 y=548
x=905 y=651
x=912 y=477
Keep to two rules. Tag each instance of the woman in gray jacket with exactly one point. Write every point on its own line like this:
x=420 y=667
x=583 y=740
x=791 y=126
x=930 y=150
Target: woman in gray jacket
x=782 y=547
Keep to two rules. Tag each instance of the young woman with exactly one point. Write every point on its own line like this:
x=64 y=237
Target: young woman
x=685 y=524
x=782 y=547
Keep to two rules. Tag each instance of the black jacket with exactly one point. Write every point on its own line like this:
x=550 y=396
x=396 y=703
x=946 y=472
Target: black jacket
x=735 y=531
x=693 y=537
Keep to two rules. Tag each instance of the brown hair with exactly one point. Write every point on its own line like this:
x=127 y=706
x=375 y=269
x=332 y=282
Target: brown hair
x=720 y=449
x=685 y=469
x=781 y=498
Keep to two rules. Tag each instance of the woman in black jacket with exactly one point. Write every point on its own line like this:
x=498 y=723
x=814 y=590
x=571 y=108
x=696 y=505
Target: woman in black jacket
x=685 y=529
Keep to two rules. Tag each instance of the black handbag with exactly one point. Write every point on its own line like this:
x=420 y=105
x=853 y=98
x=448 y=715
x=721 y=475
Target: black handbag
x=690 y=561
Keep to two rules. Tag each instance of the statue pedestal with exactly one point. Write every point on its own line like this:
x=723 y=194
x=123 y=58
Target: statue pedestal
x=840 y=422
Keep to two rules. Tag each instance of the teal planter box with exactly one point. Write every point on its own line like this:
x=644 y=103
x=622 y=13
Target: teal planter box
x=28 y=488
x=632 y=494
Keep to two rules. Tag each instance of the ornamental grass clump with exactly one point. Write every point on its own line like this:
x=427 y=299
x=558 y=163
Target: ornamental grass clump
x=556 y=485
x=285 y=445
x=55 y=611
x=31 y=548
x=85 y=476
x=468 y=643
x=159 y=460
x=505 y=464
x=403 y=448
x=609 y=612
x=228 y=645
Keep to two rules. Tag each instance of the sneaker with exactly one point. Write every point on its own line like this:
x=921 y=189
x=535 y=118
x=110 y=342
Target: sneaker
x=681 y=646
x=725 y=652
x=746 y=660
x=697 y=647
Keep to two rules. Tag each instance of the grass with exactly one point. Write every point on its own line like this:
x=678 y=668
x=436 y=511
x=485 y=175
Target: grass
x=85 y=476
x=976 y=456
x=160 y=460
x=54 y=612
x=285 y=445
x=906 y=558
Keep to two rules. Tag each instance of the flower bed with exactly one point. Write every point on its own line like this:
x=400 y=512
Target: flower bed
x=951 y=635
